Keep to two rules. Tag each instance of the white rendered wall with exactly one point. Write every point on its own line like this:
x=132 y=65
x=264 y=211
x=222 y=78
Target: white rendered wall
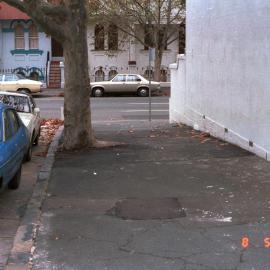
x=178 y=90
x=228 y=71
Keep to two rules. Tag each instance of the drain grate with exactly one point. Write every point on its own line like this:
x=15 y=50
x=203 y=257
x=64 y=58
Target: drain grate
x=145 y=209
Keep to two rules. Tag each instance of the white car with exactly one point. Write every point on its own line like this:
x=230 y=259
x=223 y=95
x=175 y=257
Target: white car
x=26 y=107
x=17 y=83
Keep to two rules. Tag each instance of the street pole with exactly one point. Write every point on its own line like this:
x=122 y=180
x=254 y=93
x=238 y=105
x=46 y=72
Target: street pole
x=149 y=92
x=151 y=59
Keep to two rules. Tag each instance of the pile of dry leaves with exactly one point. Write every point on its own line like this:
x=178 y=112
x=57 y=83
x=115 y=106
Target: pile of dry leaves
x=48 y=129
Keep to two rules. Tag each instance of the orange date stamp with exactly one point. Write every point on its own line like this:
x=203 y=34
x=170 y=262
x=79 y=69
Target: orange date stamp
x=245 y=242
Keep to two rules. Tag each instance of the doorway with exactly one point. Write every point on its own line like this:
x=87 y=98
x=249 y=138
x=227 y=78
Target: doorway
x=57 y=50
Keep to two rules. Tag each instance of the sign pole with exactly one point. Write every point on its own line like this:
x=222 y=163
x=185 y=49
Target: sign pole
x=149 y=92
x=151 y=59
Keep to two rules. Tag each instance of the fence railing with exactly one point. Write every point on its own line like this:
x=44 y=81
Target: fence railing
x=37 y=73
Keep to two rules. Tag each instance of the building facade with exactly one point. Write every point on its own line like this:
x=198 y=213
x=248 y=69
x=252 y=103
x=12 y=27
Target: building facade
x=23 y=47
x=111 y=52
x=222 y=83
x=26 y=49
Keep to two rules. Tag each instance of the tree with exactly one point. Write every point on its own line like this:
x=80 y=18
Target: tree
x=66 y=21
x=160 y=20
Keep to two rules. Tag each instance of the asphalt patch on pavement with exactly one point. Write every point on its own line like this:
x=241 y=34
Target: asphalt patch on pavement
x=147 y=209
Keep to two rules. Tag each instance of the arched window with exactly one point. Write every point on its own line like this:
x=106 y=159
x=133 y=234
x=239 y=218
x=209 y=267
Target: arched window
x=99 y=37
x=113 y=37
x=149 y=74
x=99 y=75
x=112 y=73
x=19 y=37
x=33 y=37
x=163 y=75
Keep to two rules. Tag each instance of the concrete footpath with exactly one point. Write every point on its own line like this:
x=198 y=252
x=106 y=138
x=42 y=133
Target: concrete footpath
x=170 y=198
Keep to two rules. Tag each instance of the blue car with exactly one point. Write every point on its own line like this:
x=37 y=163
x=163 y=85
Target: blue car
x=14 y=147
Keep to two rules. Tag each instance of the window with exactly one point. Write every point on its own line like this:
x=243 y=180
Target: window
x=99 y=75
x=1 y=77
x=20 y=74
x=19 y=103
x=16 y=77
x=113 y=37
x=99 y=37
x=112 y=74
x=120 y=78
x=162 y=39
x=34 y=76
x=133 y=78
x=7 y=126
x=33 y=37
x=163 y=75
x=14 y=120
x=10 y=78
x=149 y=74
x=19 y=37
x=148 y=37
x=32 y=103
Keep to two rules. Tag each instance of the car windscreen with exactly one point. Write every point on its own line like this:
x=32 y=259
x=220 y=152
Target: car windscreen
x=19 y=103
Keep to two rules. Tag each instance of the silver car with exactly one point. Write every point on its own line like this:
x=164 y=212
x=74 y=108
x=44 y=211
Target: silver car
x=124 y=83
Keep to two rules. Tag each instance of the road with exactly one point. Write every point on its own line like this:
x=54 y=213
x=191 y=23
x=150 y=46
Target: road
x=112 y=109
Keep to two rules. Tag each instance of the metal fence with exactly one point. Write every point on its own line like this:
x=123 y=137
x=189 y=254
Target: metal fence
x=33 y=73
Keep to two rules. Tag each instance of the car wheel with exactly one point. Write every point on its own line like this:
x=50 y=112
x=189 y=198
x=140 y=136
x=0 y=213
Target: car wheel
x=24 y=91
x=143 y=92
x=28 y=155
x=15 y=182
x=97 y=92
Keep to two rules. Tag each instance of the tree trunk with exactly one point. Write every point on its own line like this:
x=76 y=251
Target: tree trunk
x=158 y=61
x=66 y=21
x=77 y=129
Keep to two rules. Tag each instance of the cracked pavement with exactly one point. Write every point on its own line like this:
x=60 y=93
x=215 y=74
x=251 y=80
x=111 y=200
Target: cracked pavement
x=223 y=189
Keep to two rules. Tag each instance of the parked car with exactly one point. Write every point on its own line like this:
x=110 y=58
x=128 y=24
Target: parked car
x=14 y=147
x=129 y=83
x=26 y=108
x=18 y=83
